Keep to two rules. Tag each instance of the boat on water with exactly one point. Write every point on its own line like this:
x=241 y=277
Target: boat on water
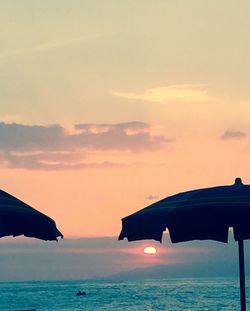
x=80 y=293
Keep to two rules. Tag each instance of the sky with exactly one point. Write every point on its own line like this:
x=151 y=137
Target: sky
x=108 y=106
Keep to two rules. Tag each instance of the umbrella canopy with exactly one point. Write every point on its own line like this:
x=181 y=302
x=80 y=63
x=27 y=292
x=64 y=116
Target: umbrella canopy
x=196 y=215
x=18 y=218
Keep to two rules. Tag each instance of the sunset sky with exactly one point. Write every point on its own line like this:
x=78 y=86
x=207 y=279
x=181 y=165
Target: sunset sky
x=108 y=106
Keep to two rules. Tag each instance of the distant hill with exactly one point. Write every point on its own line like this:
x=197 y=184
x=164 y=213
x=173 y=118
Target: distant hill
x=220 y=269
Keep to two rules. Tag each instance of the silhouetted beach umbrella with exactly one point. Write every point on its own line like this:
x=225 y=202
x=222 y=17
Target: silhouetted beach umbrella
x=18 y=218
x=203 y=214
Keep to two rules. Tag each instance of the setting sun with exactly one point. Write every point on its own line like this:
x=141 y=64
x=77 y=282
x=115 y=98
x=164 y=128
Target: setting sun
x=150 y=250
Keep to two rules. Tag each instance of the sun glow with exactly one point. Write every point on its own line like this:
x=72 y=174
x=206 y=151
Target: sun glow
x=149 y=250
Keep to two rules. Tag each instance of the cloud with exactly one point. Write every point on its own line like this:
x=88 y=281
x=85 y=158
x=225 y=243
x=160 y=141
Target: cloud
x=233 y=135
x=32 y=259
x=52 y=45
x=152 y=197
x=40 y=162
x=55 y=147
x=164 y=94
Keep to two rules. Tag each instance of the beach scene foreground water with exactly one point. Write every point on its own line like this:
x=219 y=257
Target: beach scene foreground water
x=168 y=294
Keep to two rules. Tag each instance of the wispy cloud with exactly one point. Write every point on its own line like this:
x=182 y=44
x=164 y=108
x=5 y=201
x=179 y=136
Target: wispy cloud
x=233 y=135
x=46 y=46
x=55 y=147
x=152 y=197
x=164 y=94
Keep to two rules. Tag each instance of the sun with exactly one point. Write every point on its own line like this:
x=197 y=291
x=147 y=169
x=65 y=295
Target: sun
x=150 y=250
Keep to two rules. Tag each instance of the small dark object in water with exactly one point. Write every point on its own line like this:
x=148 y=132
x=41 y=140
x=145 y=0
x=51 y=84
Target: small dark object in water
x=80 y=293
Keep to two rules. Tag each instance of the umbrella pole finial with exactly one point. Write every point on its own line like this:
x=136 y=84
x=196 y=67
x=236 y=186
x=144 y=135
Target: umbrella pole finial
x=238 y=181
x=242 y=275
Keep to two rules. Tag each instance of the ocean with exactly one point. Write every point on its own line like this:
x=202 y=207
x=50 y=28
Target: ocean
x=213 y=294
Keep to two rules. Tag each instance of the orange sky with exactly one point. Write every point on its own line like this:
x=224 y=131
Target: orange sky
x=107 y=107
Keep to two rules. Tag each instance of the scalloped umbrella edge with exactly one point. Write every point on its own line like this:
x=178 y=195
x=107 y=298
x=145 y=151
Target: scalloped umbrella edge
x=202 y=214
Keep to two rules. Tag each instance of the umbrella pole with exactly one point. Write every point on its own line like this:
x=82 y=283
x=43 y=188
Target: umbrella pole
x=242 y=276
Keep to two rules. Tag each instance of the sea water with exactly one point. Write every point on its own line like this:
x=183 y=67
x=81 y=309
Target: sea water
x=168 y=294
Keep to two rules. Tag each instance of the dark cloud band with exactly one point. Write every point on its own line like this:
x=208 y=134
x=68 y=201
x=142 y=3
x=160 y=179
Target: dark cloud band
x=54 y=147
